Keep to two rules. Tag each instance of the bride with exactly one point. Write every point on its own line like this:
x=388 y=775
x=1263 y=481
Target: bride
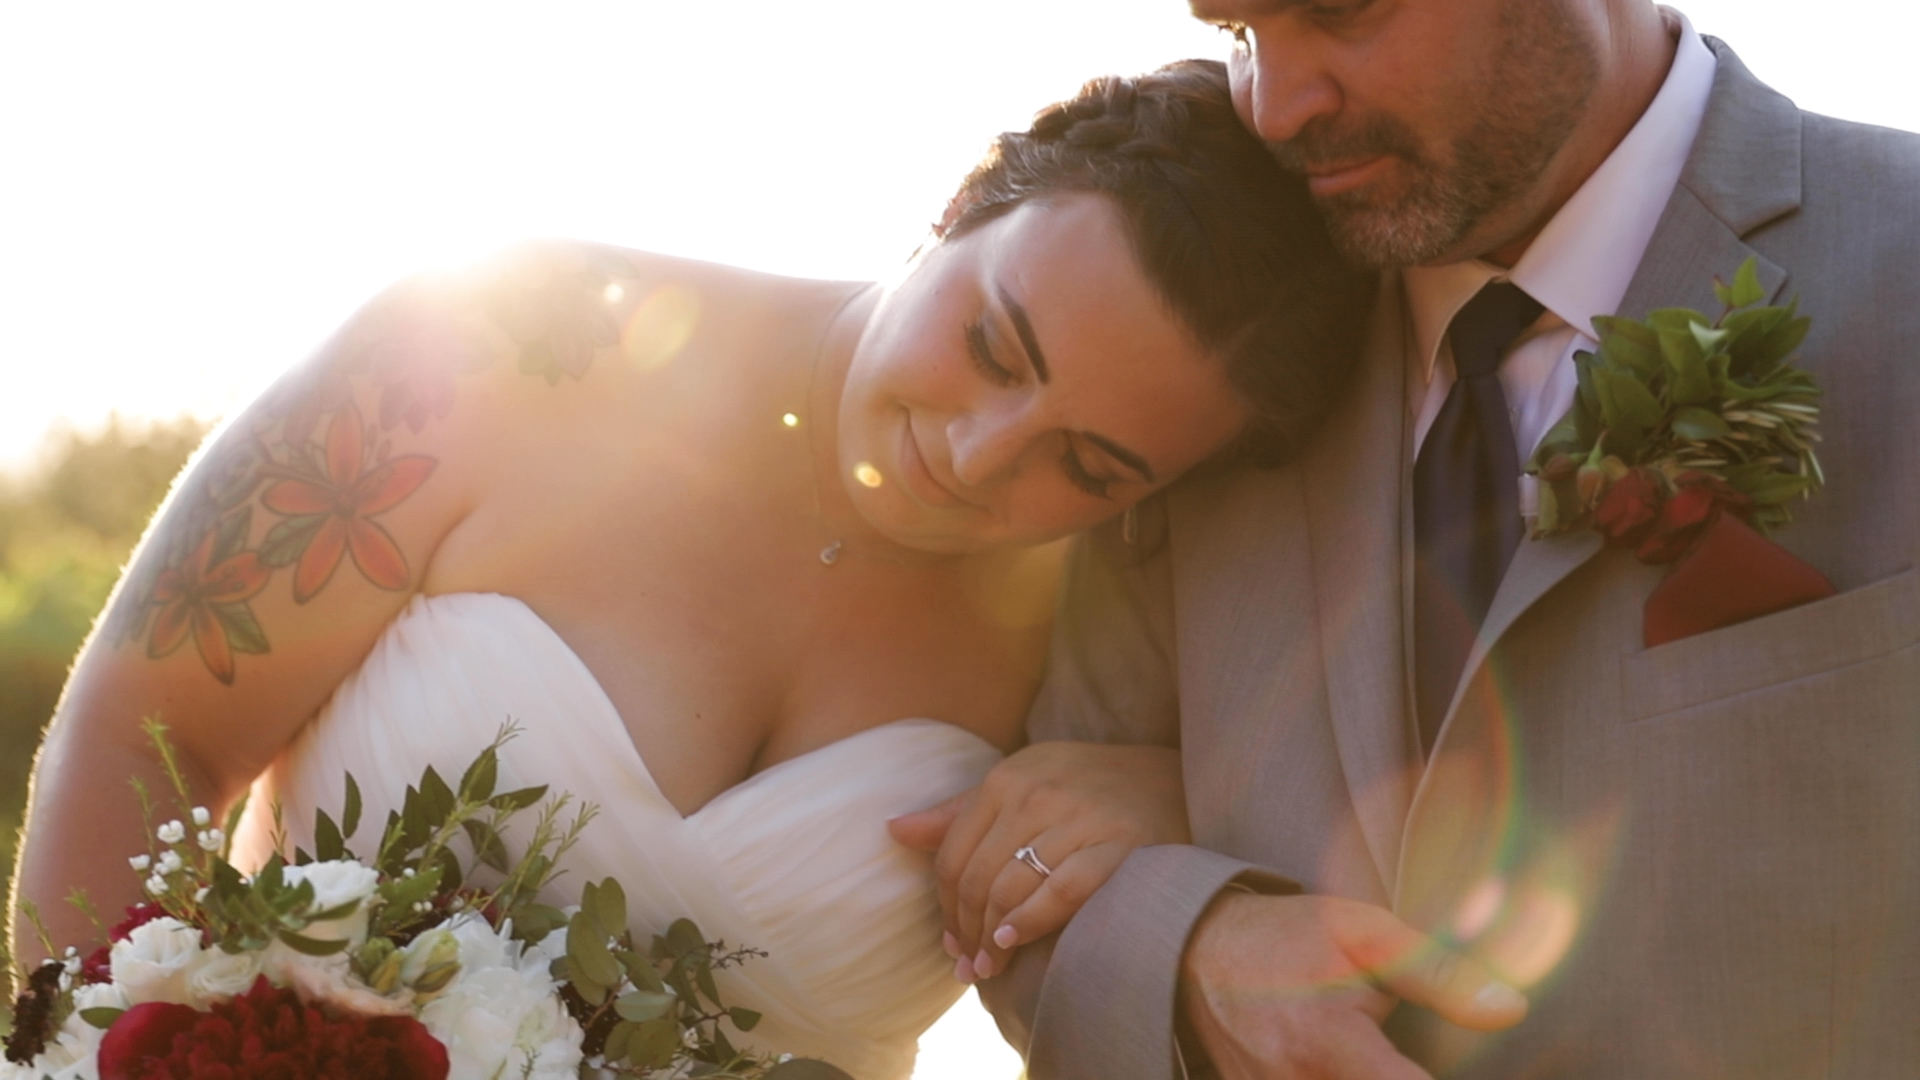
x=706 y=536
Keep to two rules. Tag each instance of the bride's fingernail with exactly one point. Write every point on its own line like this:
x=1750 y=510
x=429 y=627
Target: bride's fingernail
x=963 y=970
x=1006 y=937
x=951 y=944
x=983 y=965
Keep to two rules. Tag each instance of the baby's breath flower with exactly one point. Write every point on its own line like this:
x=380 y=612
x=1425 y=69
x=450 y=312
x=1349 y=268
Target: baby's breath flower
x=200 y=895
x=201 y=817
x=172 y=832
x=170 y=862
x=157 y=885
x=210 y=839
x=140 y=863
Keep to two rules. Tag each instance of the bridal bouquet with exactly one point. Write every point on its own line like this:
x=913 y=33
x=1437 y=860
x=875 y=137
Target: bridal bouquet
x=400 y=966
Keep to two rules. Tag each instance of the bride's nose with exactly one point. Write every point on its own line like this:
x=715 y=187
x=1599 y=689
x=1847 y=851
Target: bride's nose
x=987 y=445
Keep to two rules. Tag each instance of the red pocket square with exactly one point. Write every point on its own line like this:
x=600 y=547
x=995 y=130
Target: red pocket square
x=1730 y=575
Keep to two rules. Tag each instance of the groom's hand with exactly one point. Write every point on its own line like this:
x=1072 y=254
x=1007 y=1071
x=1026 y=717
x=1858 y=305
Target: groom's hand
x=1296 y=987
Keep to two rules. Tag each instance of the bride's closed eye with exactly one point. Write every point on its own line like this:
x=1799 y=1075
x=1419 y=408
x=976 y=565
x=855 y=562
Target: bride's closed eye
x=1081 y=477
x=981 y=352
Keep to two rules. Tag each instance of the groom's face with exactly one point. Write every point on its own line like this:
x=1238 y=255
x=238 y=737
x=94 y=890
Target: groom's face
x=1425 y=127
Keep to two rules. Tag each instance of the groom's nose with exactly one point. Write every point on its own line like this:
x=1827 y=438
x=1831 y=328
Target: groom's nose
x=1280 y=84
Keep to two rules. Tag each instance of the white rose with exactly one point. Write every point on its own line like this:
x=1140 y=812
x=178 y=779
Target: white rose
x=500 y=1016
x=220 y=976
x=336 y=884
x=152 y=964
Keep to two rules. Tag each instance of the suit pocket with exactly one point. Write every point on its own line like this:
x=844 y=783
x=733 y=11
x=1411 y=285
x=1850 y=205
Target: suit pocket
x=1826 y=635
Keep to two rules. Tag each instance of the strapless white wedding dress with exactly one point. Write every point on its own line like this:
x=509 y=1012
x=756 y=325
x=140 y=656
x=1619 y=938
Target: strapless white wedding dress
x=795 y=861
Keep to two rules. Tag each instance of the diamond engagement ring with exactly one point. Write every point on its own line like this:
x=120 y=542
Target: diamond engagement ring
x=1027 y=856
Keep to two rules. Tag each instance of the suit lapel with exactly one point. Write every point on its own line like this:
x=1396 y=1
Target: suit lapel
x=1743 y=172
x=1354 y=480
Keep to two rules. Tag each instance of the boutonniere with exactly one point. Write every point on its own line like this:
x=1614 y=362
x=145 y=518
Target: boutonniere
x=1689 y=439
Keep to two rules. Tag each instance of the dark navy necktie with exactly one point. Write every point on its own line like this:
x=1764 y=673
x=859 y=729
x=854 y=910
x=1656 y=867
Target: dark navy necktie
x=1466 y=500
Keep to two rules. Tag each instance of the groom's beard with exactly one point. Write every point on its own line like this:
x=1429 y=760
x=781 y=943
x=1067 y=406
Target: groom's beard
x=1532 y=97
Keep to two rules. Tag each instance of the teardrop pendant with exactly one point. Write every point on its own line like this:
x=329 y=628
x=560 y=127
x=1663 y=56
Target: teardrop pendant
x=831 y=553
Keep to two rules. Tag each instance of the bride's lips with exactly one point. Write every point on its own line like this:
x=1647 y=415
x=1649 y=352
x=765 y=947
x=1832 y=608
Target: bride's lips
x=918 y=478
x=1326 y=182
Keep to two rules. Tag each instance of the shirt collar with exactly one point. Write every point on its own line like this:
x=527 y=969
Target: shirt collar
x=1584 y=260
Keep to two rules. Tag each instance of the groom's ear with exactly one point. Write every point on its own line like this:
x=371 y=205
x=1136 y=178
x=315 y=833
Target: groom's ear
x=926 y=830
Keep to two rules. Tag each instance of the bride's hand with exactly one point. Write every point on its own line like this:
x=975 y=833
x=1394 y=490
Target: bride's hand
x=1081 y=807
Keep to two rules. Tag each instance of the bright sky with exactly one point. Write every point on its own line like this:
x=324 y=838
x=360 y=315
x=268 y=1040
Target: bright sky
x=192 y=193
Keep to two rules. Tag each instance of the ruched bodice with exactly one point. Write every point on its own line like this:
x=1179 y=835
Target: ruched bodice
x=795 y=861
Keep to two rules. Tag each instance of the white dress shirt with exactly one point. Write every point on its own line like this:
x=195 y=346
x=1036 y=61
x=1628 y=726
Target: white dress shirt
x=1580 y=266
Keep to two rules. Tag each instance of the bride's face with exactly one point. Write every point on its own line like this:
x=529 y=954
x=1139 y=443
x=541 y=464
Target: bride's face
x=1024 y=382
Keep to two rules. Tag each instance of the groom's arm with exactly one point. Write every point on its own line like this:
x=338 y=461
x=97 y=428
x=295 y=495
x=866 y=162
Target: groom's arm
x=1082 y=1003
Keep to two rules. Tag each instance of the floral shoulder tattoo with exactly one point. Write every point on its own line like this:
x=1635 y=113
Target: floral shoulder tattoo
x=301 y=483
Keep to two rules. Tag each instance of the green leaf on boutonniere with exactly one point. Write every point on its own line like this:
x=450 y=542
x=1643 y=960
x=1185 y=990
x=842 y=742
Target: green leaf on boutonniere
x=1681 y=394
x=1700 y=425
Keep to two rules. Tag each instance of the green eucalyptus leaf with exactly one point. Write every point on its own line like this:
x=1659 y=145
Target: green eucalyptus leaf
x=640 y=971
x=654 y=1043
x=642 y=1005
x=685 y=937
x=350 y=813
x=438 y=798
x=744 y=1019
x=512 y=801
x=302 y=944
x=335 y=913
x=587 y=949
x=610 y=908
x=703 y=977
x=1700 y=425
x=618 y=1039
x=487 y=845
x=327 y=841
x=476 y=784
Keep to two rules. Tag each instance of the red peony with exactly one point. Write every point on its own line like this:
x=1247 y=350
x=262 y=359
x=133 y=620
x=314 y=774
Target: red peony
x=266 y=1034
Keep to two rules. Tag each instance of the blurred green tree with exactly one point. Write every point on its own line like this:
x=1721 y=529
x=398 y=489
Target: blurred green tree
x=66 y=528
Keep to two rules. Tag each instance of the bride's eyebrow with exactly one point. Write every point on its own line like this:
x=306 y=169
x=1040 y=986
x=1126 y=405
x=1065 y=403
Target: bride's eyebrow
x=1121 y=454
x=1023 y=327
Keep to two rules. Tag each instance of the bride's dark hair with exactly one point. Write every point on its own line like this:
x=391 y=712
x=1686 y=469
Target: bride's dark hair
x=1229 y=239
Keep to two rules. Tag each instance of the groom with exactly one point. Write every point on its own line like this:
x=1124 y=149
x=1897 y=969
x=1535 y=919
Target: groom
x=1699 y=859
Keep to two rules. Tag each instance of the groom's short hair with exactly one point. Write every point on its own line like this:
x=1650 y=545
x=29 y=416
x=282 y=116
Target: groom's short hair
x=1229 y=239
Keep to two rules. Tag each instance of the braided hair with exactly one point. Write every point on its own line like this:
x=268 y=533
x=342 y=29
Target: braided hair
x=1229 y=239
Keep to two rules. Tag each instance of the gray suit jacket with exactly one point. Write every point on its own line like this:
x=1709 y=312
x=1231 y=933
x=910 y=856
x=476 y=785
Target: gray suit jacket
x=1702 y=859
